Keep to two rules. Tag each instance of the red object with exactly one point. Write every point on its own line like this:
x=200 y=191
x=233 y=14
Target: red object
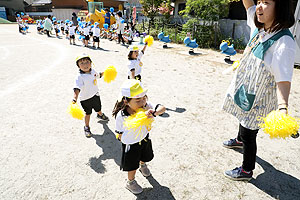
x=30 y=20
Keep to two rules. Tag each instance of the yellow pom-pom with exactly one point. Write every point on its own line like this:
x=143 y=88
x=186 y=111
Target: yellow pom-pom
x=149 y=39
x=75 y=111
x=110 y=73
x=136 y=121
x=279 y=125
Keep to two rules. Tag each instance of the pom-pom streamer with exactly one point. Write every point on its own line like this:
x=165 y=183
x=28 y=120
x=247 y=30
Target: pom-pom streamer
x=75 y=111
x=149 y=39
x=136 y=121
x=110 y=74
x=279 y=125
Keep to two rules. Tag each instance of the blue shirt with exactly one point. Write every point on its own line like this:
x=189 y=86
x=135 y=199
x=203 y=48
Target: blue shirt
x=107 y=21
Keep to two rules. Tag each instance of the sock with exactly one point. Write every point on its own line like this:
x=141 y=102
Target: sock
x=247 y=172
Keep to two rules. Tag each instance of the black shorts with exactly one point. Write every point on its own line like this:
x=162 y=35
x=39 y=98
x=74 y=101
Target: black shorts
x=56 y=30
x=91 y=33
x=67 y=32
x=62 y=28
x=137 y=77
x=141 y=151
x=96 y=39
x=39 y=28
x=91 y=103
x=72 y=36
x=86 y=37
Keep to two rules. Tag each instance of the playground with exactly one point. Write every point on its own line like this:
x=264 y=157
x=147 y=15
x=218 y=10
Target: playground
x=45 y=155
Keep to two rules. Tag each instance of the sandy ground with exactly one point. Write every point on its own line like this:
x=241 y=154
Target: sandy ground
x=45 y=155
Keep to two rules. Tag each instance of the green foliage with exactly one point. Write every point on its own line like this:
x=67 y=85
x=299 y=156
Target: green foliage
x=206 y=9
x=150 y=7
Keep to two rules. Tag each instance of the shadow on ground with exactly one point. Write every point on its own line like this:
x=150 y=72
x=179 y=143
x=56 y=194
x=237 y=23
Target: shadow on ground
x=111 y=149
x=156 y=192
x=274 y=182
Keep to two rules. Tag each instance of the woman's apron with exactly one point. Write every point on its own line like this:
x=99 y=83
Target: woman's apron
x=252 y=92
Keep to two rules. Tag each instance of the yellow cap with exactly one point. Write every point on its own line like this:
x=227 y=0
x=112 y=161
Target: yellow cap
x=133 y=48
x=132 y=88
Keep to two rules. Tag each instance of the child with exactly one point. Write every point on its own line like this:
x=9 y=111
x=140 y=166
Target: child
x=62 y=27
x=135 y=64
x=87 y=90
x=56 y=28
x=86 y=32
x=135 y=150
x=67 y=30
x=96 y=35
x=72 y=30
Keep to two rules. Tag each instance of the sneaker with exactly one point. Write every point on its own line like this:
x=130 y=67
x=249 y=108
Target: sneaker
x=295 y=135
x=134 y=187
x=145 y=170
x=238 y=174
x=233 y=143
x=87 y=132
x=102 y=117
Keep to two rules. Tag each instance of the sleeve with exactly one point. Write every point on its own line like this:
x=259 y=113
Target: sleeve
x=250 y=18
x=140 y=54
x=79 y=83
x=119 y=124
x=282 y=65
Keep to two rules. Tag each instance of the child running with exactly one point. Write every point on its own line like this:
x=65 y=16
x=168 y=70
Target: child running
x=135 y=64
x=136 y=151
x=72 y=30
x=87 y=90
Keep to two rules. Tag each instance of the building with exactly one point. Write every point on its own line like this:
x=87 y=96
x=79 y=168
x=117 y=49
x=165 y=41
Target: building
x=38 y=8
x=11 y=7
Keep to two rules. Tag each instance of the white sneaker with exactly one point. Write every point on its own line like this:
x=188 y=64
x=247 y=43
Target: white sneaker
x=134 y=187
x=144 y=170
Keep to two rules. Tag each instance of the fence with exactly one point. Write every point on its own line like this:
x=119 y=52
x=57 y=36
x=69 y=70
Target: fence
x=207 y=36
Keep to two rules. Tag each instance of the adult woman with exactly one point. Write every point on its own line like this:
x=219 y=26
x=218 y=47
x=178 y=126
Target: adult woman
x=120 y=27
x=262 y=81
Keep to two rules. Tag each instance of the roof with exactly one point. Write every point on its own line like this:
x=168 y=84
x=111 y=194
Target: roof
x=41 y=2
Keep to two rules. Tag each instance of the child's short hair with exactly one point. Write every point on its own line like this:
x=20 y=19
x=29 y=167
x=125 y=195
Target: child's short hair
x=83 y=56
x=284 y=16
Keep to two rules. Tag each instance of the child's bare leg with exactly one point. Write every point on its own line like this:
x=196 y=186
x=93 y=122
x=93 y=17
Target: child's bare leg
x=131 y=175
x=100 y=112
x=87 y=120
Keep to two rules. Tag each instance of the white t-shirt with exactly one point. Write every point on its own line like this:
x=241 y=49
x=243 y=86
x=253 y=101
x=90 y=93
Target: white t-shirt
x=86 y=31
x=96 y=31
x=72 y=30
x=279 y=58
x=129 y=136
x=136 y=65
x=120 y=26
x=85 y=82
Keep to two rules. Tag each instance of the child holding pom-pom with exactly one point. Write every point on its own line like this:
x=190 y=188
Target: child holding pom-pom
x=87 y=90
x=263 y=78
x=136 y=145
x=135 y=63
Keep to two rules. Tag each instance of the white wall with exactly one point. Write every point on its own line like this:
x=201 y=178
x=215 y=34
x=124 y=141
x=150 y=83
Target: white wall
x=241 y=29
x=63 y=14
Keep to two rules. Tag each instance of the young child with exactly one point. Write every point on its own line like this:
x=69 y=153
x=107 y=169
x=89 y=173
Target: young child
x=86 y=32
x=135 y=64
x=96 y=35
x=72 y=30
x=55 y=25
x=135 y=150
x=87 y=90
x=67 y=29
x=62 y=27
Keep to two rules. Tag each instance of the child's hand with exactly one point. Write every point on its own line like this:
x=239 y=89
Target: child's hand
x=150 y=113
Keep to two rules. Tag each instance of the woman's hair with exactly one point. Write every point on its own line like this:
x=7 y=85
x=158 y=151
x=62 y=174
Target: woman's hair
x=284 y=16
x=120 y=106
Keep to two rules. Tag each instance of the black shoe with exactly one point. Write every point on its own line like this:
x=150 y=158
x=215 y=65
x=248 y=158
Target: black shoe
x=295 y=135
x=87 y=132
x=238 y=174
x=102 y=117
x=233 y=143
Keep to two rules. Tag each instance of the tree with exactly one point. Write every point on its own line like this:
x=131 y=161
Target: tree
x=211 y=10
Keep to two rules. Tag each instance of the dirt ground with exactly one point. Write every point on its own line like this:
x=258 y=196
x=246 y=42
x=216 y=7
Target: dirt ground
x=45 y=155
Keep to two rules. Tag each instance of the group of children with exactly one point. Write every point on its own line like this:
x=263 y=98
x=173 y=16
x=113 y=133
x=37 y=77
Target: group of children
x=23 y=24
x=136 y=151
x=87 y=31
